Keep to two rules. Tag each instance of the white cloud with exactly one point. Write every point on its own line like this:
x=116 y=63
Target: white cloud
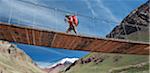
x=33 y=1
x=90 y=7
x=107 y=10
x=98 y=9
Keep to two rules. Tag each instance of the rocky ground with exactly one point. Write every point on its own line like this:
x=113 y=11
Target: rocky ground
x=14 y=60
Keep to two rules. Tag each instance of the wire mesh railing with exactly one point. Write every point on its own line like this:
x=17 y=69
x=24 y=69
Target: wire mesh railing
x=49 y=18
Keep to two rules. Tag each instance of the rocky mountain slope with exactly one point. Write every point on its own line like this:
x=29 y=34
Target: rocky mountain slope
x=57 y=69
x=14 y=60
x=135 y=24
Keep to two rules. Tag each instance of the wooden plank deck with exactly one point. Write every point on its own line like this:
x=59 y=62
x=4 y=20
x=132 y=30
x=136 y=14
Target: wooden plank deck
x=38 y=37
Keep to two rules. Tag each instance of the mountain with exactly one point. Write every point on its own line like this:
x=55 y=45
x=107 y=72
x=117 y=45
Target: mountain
x=14 y=60
x=119 y=63
x=110 y=63
x=134 y=25
x=60 y=65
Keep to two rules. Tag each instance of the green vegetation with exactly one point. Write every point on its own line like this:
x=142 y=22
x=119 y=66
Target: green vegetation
x=109 y=64
x=143 y=69
x=140 y=36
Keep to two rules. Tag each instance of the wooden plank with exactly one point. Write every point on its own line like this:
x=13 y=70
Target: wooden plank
x=6 y=33
x=33 y=36
x=37 y=37
x=137 y=49
x=110 y=44
x=84 y=43
x=29 y=31
x=96 y=45
x=2 y=35
x=27 y=36
x=19 y=34
x=123 y=48
x=47 y=38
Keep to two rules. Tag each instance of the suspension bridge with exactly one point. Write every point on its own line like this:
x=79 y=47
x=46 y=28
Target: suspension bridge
x=14 y=32
x=38 y=37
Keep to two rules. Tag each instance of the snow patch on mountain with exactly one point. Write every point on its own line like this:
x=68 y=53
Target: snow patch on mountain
x=50 y=65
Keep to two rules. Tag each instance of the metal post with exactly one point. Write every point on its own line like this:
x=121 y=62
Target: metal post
x=126 y=37
x=138 y=31
x=27 y=36
x=33 y=26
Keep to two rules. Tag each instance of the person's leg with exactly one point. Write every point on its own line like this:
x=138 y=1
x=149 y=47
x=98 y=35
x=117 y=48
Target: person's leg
x=74 y=30
x=69 y=29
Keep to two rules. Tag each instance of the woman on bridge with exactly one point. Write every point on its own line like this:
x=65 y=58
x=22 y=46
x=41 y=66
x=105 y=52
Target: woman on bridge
x=72 y=21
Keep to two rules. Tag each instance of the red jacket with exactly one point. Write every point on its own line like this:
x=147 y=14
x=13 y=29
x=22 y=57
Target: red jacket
x=73 y=20
x=70 y=20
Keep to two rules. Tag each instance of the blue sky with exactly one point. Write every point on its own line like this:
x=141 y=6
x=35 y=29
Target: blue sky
x=44 y=54
x=108 y=14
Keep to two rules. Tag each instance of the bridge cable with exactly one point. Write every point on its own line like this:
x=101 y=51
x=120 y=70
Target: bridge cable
x=65 y=11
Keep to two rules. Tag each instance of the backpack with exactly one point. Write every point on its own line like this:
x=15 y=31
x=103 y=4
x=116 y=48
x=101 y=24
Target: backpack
x=75 y=20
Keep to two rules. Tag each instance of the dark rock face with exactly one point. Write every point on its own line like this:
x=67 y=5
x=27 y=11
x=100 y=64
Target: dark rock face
x=96 y=58
x=137 y=20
